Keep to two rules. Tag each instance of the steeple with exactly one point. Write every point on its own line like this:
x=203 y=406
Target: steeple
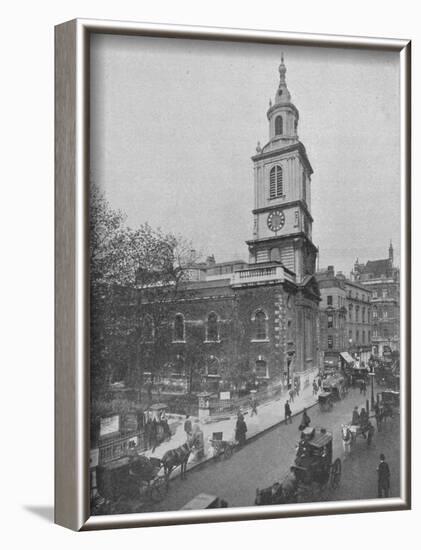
x=282 y=93
x=282 y=114
x=391 y=252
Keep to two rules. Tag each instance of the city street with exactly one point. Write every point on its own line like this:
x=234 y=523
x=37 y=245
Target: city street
x=267 y=458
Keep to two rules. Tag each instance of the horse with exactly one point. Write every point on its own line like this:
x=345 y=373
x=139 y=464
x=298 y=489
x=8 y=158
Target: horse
x=177 y=457
x=278 y=493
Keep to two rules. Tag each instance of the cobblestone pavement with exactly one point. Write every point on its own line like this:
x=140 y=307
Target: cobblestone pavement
x=268 y=457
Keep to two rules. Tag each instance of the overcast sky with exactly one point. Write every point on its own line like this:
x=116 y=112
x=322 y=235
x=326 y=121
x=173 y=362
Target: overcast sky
x=175 y=122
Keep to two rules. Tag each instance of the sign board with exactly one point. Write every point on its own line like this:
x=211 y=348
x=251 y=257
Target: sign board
x=94 y=458
x=225 y=395
x=109 y=425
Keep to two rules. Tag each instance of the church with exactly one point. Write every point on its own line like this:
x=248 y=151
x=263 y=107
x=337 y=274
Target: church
x=258 y=319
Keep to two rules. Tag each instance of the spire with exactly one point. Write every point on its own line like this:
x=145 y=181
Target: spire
x=282 y=94
x=391 y=251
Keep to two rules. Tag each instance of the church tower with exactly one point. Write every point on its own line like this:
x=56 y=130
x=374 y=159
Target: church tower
x=282 y=230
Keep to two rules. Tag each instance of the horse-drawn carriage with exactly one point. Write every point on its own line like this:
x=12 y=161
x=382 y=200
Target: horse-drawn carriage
x=314 y=468
x=325 y=401
x=390 y=401
x=131 y=478
x=360 y=426
x=336 y=386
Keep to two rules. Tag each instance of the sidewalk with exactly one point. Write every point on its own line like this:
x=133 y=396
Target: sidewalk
x=268 y=415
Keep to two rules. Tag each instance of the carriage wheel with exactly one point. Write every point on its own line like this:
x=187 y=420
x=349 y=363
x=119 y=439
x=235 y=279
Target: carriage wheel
x=227 y=452
x=159 y=489
x=335 y=475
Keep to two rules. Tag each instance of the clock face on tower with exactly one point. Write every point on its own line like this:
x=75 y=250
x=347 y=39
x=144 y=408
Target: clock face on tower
x=276 y=220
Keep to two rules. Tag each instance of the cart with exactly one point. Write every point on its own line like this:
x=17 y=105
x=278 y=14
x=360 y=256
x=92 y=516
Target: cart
x=221 y=448
x=314 y=463
x=312 y=472
x=132 y=478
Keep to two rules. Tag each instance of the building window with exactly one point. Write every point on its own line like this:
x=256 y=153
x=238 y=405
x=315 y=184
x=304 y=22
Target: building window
x=261 y=369
x=330 y=321
x=369 y=336
x=350 y=312
x=384 y=293
x=179 y=328
x=357 y=336
x=275 y=255
x=147 y=329
x=260 y=325
x=363 y=314
x=330 y=341
x=212 y=328
x=296 y=218
x=178 y=366
x=279 y=126
x=350 y=335
x=276 y=182
x=375 y=312
x=212 y=366
x=357 y=314
x=330 y=300
x=374 y=293
x=363 y=334
x=384 y=314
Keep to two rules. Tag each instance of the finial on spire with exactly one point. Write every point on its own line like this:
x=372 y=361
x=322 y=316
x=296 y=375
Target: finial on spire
x=258 y=148
x=282 y=70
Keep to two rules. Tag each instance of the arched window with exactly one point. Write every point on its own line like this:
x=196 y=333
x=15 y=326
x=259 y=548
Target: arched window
x=212 y=328
x=147 y=329
x=260 y=325
x=212 y=366
x=179 y=332
x=276 y=186
x=279 y=126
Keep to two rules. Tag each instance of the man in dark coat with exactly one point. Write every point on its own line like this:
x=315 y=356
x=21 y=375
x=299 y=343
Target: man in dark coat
x=240 y=430
x=305 y=421
x=288 y=412
x=383 y=478
x=355 y=417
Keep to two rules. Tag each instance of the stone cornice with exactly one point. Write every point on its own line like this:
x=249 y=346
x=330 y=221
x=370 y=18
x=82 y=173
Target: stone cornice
x=280 y=107
x=288 y=149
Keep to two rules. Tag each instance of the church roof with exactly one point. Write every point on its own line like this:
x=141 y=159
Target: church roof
x=378 y=267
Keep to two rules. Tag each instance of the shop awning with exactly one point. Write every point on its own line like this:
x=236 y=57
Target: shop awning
x=346 y=357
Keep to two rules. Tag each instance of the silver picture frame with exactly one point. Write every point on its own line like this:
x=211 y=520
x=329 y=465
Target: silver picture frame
x=72 y=69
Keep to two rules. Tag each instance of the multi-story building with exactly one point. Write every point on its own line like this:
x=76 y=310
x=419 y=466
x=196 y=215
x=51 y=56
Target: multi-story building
x=345 y=318
x=261 y=316
x=382 y=278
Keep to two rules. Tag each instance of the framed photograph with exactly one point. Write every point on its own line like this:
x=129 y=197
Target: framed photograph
x=232 y=274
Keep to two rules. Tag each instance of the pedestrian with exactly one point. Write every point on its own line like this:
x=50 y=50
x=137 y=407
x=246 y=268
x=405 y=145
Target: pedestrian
x=288 y=412
x=370 y=432
x=305 y=421
x=378 y=416
x=319 y=382
x=153 y=434
x=240 y=430
x=254 y=405
x=315 y=387
x=355 y=417
x=291 y=395
x=383 y=478
x=188 y=426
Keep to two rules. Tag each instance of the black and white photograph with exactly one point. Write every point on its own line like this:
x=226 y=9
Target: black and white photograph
x=245 y=275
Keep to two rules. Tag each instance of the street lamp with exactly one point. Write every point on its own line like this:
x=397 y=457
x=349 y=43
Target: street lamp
x=372 y=375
